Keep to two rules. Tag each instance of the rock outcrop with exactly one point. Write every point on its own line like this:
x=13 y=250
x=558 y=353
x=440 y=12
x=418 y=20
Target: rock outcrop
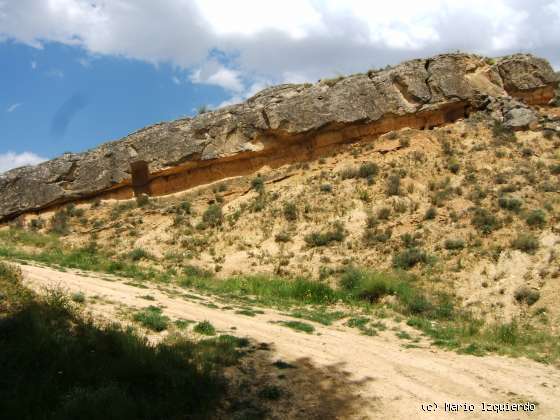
x=279 y=125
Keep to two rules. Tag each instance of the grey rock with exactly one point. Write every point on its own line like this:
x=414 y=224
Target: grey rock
x=282 y=116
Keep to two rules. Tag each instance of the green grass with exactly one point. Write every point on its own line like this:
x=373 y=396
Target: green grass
x=58 y=365
x=152 y=318
x=320 y=315
x=298 y=326
x=433 y=314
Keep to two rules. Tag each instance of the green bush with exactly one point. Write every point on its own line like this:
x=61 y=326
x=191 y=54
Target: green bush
x=326 y=188
x=336 y=234
x=555 y=169
x=431 y=213
x=527 y=295
x=138 y=254
x=526 y=242
x=384 y=213
x=484 y=221
x=409 y=258
x=393 y=185
x=290 y=211
x=258 y=184
x=453 y=244
x=204 y=328
x=368 y=170
x=213 y=216
x=536 y=218
x=511 y=204
x=59 y=223
x=152 y=318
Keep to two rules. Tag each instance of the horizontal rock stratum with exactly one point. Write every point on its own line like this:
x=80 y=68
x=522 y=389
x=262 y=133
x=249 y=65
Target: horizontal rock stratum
x=278 y=125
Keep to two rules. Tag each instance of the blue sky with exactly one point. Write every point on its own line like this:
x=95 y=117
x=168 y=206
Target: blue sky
x=76 y=73
x=58 y=98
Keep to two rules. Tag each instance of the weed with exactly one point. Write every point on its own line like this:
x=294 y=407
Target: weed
x=152 y=318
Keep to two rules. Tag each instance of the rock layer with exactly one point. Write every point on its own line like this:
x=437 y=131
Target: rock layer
x=279 y=125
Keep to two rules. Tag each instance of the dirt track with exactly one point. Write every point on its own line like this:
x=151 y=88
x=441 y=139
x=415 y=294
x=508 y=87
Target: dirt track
x=372 y=377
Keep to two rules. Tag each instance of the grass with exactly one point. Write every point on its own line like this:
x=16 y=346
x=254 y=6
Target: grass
x=56 y=364
x=298 y=326
x=152 y=318
x=435 y=315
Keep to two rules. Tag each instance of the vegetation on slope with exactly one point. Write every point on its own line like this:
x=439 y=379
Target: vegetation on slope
x=58 y=364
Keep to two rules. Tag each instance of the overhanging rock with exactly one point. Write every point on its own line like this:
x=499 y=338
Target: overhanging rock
x=278 y=125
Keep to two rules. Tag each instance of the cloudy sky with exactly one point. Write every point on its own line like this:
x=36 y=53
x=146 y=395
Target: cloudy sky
x=76 y=73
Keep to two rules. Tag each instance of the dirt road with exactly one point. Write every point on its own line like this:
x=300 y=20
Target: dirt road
x=343 y=374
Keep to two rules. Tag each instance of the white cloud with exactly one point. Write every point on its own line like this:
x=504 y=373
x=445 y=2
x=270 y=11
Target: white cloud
x=288 y=40
x=10 y=160
x=13 y=107
x=215 y=73
x=176 y=80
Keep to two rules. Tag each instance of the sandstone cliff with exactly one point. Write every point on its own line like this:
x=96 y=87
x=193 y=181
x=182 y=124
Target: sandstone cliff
x=279 y=125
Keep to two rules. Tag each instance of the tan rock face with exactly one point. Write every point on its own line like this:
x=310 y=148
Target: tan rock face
x=276 y=126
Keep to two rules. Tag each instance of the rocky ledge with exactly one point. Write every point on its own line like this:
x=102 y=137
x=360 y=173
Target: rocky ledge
x=283 y=124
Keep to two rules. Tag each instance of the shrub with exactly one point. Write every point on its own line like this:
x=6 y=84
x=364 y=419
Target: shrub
x=290 y=211
x=138 y=254
x=409 y=258
x=384 y=213
x=526 y=242
x=484 y=221
x=213 y=215
x=452 y=244
x=454 y=166
x=404 y=141
x=142 y=200
x=527 y=295
x=501 y=133
x=374 y=236
x=36 y=224
x=393 y=185
x=511 y=204
x=78 y=297
x=204 y=328
x=555 y=169
x=336 y=234
x=282 y=237
x=431 y=213
x=152 y=318
x=59 y=223
x=368 y=170
x=536 y=218
x=326 y=188
x=258 y=184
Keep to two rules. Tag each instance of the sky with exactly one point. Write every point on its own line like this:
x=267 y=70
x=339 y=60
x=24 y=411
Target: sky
x=77 y=73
